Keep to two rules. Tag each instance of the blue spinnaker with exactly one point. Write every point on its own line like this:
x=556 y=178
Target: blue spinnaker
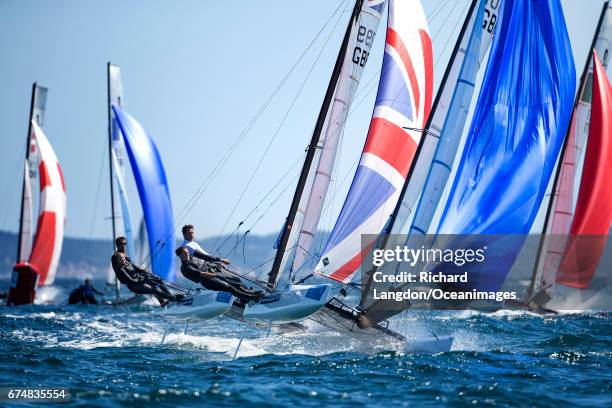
x=153 y=190
x=523 y=111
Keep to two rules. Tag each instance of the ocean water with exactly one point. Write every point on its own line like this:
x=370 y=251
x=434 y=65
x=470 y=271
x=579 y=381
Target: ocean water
x=111 y=356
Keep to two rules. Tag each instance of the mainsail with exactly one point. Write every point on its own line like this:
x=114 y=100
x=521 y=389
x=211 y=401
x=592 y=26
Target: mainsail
x=356 y=43
x=52 y=214
x=360 y=42
x=152 y=185
x=25 y=234
x=403 y=101
x=520 y=120
x=593 y=213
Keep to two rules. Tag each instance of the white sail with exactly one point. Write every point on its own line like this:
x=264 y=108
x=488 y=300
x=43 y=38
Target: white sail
x=26 y=218
x=311 y=206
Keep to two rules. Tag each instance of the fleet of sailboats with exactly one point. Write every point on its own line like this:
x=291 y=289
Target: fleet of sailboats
x=422 y=170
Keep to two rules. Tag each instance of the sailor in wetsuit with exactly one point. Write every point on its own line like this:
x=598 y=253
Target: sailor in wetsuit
x=208 y=271
x=137 y=279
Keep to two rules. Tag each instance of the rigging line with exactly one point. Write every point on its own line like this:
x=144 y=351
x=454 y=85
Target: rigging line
x=204 y=185
x=268 y=261
x=280 y=194
x=213 y=174
x=280 y=126
x=97 y=199
x=447 y=17
x=298 y=161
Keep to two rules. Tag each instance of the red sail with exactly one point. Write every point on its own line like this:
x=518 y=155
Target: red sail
x=593 y=213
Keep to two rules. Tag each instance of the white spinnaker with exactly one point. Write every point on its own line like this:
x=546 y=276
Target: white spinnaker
x=26 y=218
x=360 y=42
x=419 y=174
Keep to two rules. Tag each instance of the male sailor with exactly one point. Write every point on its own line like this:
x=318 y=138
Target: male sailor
x=195 y=250
x=212 y=275
x=139 y=280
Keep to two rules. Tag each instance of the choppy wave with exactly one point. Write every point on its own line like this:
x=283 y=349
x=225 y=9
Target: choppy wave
x=110 y=356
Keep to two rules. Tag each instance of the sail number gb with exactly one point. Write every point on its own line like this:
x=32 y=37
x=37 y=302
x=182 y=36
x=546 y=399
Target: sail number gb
x=365 y=37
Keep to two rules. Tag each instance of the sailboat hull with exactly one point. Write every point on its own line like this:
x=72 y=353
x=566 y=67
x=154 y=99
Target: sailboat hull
x=23 y=285
x=294 y=304
x=206 y=304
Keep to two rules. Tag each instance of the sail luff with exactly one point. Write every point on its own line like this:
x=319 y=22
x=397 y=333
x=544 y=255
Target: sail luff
x=312 y=147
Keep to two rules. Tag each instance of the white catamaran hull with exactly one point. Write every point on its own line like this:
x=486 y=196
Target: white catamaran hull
x=204 y=305
x=291 y=305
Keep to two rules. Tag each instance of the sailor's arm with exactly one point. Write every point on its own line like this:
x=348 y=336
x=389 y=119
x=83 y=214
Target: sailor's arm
x=209 y=258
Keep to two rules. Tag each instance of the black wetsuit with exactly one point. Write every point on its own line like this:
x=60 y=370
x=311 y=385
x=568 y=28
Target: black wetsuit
x=139 y=280
x=222 y=282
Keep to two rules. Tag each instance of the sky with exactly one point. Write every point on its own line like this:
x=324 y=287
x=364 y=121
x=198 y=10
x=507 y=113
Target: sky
x=195 y=74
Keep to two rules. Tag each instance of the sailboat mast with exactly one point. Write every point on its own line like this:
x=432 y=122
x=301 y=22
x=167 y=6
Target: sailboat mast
x=552 y=200
x=110 y=162
x=110 y=149
x=312 y=148
x=27 y=156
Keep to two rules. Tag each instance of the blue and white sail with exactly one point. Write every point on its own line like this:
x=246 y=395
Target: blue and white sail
x=448 y=119
x=121 y=217
x=520 y=120
x=125 y=206
x=152 y=185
